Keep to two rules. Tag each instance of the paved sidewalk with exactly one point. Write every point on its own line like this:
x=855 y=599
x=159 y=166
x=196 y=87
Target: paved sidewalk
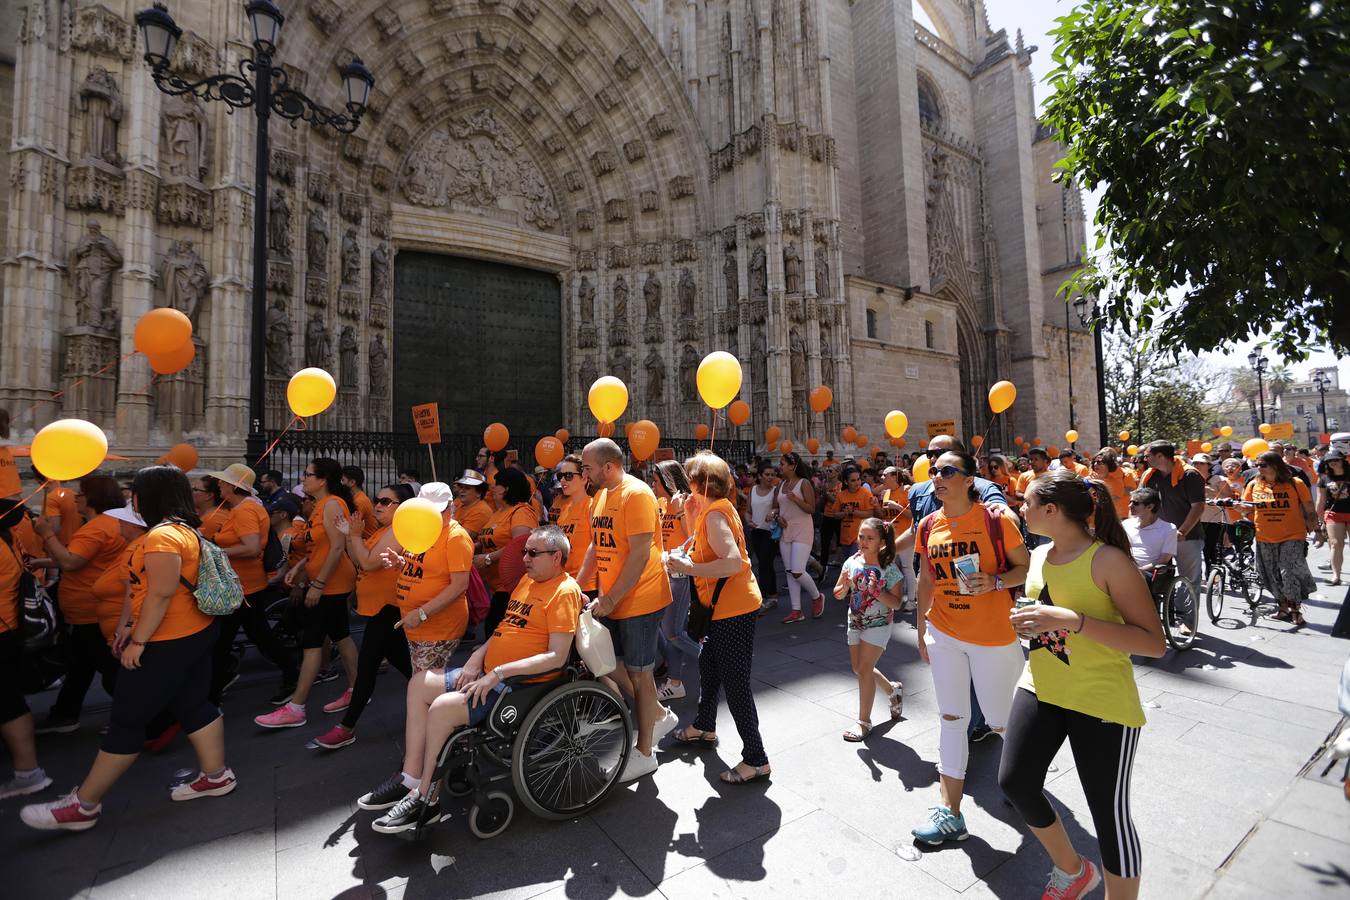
x=1225 y=798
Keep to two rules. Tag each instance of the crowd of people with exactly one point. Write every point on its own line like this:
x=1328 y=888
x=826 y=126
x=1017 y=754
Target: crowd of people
x=1027 y=580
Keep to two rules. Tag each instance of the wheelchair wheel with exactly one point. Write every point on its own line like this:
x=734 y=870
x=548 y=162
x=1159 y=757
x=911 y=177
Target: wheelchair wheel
x=489 y=819
x=570 y=750
x=1214 y=595
x=1181 y=614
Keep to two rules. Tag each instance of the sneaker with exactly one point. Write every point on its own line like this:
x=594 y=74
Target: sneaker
x=329 y=674
x=941 y=827
x=64 y=814
x=407 y=814
x=1063 y=886
x=284 y=695
x=670 y=690
x=54 y=725
x=205 y=786
x=21 y=787
x=336 y=738
x=637 y=766
x=794 y=617
x=818 y=606
x=341 y=703
x=980 y=732
x=161 y=743
x=664 y=726
x=769 y=603
x=281 y=717
x=390 y=791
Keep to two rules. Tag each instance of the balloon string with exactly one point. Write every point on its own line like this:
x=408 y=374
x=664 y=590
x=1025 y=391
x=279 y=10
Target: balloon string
x=301 y=427
x=712 y=434
x=34 y=492
x=80 y=381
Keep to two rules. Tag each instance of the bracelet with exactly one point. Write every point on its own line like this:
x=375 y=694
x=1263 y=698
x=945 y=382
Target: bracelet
x=135 y=643
x=1082 y=621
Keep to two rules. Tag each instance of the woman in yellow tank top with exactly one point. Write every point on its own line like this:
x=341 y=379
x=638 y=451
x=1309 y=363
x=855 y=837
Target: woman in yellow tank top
x=1089 y=610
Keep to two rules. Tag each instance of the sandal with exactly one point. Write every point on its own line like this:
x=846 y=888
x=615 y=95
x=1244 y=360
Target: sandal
x=897 y=701
x=1296 y=616
x=859 y=734
x=693 y=737
x=731 y=776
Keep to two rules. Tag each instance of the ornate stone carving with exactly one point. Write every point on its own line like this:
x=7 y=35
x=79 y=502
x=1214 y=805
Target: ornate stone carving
x=586 y=375
x=379 y=223
x=578 y=119
x=792 y=269
x=586 y=260
x=617 y=257
x=574 y=181
x=823 y=287
x=688 y=294
x=183 y=138
x=792 y=221
x=655 y=364
x=585 y=219
x=318 y=343
x=689 y=373
x=650 y=200
x=316 y=291
x=317 y=242
x=183 y=281
x=616 y=210
x=480 y=79
x=627 y=64
x=571 y=49
x=184 y=203
x=475 y=163
x=378 y=315
x=381 y=177
x=351 y=207
x=325 y=14
x=101 y=102
x=354 y=148
x=634 y=150
x=651 y=253
x=582 y=10
x=754 y=225
x=318 y=185
x=101 y=31
x=759 y=280
x=651 y=295
x=34 y=25
x=379 y=272
x=528 y=113
x=95 y=185
x=607 y=98
x=684 y=250
x=527 y=10
x=748 y=141
x=279 y=225
x=620 y=295
x=282 y=165
x=729 y=237
x=660 y=125
x=378 y=361
x=279 y=276
x=546 y=79
x=396 y=137
x=732 y=277
x=821 y=229
x=278 y=331
x=351 y=258
x=553 y=144
x=621 y=364
x=387 y=22
x=681 y=186
x=93 y=263
x=348 y=350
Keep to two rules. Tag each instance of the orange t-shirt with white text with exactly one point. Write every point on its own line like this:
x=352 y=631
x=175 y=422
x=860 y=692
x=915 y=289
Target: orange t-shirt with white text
x=183 y=617
x=574 y=518
x=857 y=505
x=474 y=516
x=249 y=517
x=536 y=611
x=973 y=618
x=617 y=514
x=99 y=541
x=673 y=532
x=379 y=588
x=427 y=574
x=1279 y=509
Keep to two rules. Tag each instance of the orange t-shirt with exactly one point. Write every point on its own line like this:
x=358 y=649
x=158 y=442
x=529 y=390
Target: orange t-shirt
x=61 y=502
x=377 y=589
x=182 y=618
x=899 y=495
x=555 y=506
x=617 y=514
x=11 y=571
x=100 y=542
x=574 y=518
x=366 y=509
x=973 y=618
x=213 y=521
x=426 y=574
x=1279 y=509
x=498 y=535
x=673 y=532
x=1119 y=489
x=740 y=594
x=474 y=517
x=249 y=517
x=343 y=578
x=111 y=590
x=300 y=544
x=859 y=505
x=536 y=611
x=1237 y=486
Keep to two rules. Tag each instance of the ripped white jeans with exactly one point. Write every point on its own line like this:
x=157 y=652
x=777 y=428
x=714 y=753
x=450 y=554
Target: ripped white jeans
x=956 y=665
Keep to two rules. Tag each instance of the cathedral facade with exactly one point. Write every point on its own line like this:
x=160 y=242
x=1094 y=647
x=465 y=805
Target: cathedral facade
x=542 y=192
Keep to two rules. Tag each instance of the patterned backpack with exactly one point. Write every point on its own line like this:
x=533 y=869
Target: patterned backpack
x=217 y=590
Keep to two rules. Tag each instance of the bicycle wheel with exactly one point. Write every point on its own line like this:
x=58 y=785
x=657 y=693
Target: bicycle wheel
x=1181 y=614
x=1214 y=595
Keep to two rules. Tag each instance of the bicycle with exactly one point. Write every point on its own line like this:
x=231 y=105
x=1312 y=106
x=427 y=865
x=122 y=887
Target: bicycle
x=1178 y=604
x=1237 y=570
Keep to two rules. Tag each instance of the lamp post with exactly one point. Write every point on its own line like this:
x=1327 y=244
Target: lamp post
x=1323 y=382
x=264 y=87
x=1086 y=316
x=1259 y=364
x=1307 y=422
x=1068 y=353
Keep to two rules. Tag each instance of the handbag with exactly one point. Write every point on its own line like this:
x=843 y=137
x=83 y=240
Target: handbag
x=700 y=616
x=594 y=645
x=218 y=591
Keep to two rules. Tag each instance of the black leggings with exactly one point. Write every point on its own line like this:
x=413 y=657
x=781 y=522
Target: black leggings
x=765 y=551
x=175 y=674
x=252 y=616
x=88 y=654
x=724 y=665
x=381 y=641
x=12 y=703
x=327 y=618
x=1213 y=543
x=1103 y=753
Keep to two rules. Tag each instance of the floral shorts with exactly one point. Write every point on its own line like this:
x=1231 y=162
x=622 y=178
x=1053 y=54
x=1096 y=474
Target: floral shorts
x=431 y=654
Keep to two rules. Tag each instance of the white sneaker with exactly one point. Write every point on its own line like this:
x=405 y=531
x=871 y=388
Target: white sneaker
x=664 y=726
x=638 y=765
x=670 y=690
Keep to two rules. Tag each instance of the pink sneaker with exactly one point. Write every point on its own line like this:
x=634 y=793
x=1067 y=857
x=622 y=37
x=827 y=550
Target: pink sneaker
x=794 y=616
x=205 y=786
x=281 y=717
x=64 y=814
x=336 y=738
x=1063 y=886
x=341 y=703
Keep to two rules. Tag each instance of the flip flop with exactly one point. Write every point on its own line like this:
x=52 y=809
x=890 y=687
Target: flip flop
x=859 y=734
x=702 y=740
x=897 y=701
x=731 y=776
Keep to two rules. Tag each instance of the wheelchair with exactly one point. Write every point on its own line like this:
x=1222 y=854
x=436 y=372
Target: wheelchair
x=1178 y=605
x=561 y=743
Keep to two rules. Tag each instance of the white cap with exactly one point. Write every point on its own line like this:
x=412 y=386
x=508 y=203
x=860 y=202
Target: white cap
x=438 y=492
x=128 y=515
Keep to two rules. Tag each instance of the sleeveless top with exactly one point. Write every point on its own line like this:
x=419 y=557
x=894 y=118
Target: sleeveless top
x=1081 y=674
x=740 y=595
x=760 y=506
x=798 y=526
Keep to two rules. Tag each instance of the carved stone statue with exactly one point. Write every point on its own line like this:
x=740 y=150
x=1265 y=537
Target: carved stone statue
x=183 y=278
x=759 y=276
x=732 y=278
x=93 y=263
x=279 y=225
x=586 y=300
x=379 y=359
x=621 y=365
x=688 y=292
x=792 y=269
x=101 y=103
x=351 y=258
x=621 y=299
x=651 y=293
x=759 y=364
x=689 y=373
x=184 y=147
x=586 y=375
x=826 y=369
x=348 y=350
x=278 y=339
x=797 y=358
x=318 y=242
x=379 y=273
x=318 y=344
x=655 y=365
x=823 y=287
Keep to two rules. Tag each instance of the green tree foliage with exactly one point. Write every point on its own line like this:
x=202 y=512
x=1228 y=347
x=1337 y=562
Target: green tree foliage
x=1173 y=393
x=1220 y=136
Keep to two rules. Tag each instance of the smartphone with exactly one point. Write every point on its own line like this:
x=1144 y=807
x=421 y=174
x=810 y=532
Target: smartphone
x=966 y=567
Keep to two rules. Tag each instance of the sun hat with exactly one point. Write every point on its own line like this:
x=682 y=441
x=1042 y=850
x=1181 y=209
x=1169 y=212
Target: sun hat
x=237 y=474
x=438 y=492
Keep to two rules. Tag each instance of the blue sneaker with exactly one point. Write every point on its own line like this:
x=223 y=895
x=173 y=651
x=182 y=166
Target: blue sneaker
x=941 y=827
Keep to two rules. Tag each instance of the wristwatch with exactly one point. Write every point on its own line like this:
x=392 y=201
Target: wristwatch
x=998 y=582
x=421 y=614
x=496 y=670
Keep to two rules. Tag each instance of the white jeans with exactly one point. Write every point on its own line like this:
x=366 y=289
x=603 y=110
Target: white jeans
x=794 y=560
x=956 y=664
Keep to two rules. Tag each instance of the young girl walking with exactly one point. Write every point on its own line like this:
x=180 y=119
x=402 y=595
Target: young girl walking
x=873 y=584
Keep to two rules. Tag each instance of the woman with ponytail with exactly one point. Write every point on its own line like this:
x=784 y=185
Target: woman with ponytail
x=1090 y=611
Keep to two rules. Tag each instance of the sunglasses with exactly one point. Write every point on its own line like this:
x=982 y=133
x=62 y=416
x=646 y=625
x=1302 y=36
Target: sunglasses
x=568 y=476
x=310 y=475
x=533 y=553
x=948 y=471
x=1264 y=466
x=385 y=501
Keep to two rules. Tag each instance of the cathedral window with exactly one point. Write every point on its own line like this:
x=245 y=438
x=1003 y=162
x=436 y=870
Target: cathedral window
x=929 y=337
x=930 y=113
x=872 y=323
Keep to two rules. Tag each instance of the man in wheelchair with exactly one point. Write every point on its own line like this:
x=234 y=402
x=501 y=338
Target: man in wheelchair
x=535 y=636
x=1153 y=541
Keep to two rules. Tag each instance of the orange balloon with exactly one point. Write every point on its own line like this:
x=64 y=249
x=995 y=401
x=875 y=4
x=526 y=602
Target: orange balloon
x=701 y=431
x=923 y=443
x=812 y=445
x=785 y=447
x=738 y=412
x=495 y=436
x=562 y=434
x=548 y=452
x=900 y=443
x=772 y=434
x=1019 y=440
x=821 y=398
x=977 y=441
x=172 y=361
x=628 y=430
x=1035 y=442
x=861 y=441
x=876 y=451
x=605 y=429
x=849 y=434
x=643 y=439
x=1213 y=432
x=184 y=456
x=161 y=331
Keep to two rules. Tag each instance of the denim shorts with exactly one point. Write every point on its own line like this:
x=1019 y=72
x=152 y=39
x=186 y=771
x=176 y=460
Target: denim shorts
x=477 y=714
x=877 y=636
x=635 y=640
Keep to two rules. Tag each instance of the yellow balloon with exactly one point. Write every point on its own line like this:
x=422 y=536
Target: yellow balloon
x=1002 y=395
x=1071 y=436
x=719 y=378
x=68 y=449
x=1265 y=428
x=1255 y=447
x=896 y=423
x=1226 y=430
x=1124 y=436
x=310 y=392
x=1133 y=450
x=417 y=524
x=1206 y=447
x=920 y=469
x=608 y=398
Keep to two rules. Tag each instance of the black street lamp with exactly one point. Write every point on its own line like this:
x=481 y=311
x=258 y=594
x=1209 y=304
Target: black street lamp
x=1259 y=364
x=1068 y=352
x=1322 y=381
x=264 y=87
x=1086 y=314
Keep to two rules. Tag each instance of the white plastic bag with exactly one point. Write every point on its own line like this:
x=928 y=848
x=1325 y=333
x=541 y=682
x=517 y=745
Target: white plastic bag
x=594 y=645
